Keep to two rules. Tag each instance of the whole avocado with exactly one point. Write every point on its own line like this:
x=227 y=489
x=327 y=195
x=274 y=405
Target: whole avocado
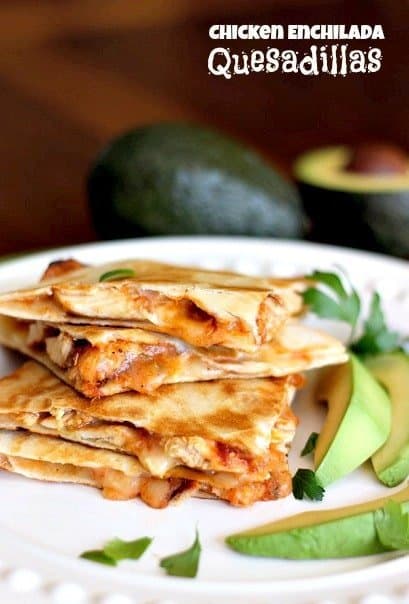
x=175 y=178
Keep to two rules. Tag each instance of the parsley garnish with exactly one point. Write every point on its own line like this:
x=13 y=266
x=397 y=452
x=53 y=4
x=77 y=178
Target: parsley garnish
x=376 y=337
x=118 y=273
x=392 y=526
x=183 y=564
x=97 y=555
x=337 y=302
x=116 y=550
x=306 y=484
x=126 y=550
x=310 y=445
x=334 y=301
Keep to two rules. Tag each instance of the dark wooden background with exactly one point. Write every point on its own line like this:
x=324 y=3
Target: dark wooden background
x=73 y=73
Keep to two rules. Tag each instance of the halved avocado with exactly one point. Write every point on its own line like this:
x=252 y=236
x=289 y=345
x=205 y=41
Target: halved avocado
x=357 y=197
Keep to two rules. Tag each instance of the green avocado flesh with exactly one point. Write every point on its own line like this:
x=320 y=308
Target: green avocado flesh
x=336 y=533
x=352 y=209
x=326 y=168
x=357 y=424
x=391 y=462
x=170 y=179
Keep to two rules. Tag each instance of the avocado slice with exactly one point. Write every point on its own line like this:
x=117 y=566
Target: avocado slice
x=177 y=178
x=357 y=424
x=335 y=533
x=391 y=461
x=357 y=197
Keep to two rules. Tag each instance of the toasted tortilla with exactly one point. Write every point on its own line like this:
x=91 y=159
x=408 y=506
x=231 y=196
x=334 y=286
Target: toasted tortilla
x=223 y=434
x=120 y=476
x=238 y=413
x=203 y=308
x=100 y=361
x=56 y=460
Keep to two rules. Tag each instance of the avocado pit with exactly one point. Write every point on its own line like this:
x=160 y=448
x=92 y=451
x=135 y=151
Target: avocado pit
x=378 y=160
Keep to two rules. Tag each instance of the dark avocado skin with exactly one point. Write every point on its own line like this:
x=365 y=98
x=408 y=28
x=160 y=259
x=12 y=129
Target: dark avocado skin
x=171 y=179
x=337 y=217
x=367 y=220
x=388 y=217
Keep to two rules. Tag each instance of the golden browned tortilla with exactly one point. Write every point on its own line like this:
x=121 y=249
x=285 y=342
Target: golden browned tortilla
x=99 y=361
x=227 y=438
x=203 y=308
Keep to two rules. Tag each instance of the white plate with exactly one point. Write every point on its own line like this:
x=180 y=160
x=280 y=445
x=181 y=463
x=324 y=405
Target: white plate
x=44 y=527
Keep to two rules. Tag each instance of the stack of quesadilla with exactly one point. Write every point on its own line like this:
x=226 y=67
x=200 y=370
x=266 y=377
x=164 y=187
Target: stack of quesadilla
x=156 y=381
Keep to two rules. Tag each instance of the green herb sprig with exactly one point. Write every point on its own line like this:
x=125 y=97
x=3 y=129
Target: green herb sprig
x=98 y=555
x=307 y=485
x=116 y=550
x=184 y=564
x=310 y=445
x=117 y=274
x=330 y=299
x=376 y=338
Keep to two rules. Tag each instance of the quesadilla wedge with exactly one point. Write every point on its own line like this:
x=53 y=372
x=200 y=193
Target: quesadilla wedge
x=100 y=361
x=55 y=460
x=203 y=308
x=230 y=437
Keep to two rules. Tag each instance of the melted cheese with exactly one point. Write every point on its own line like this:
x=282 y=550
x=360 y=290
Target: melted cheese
x=160 y=457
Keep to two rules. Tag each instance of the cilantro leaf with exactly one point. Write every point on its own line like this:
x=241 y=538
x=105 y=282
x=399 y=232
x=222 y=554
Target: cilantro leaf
x=126 y=550
x=352 y=308
x=376 y=338
x=183 y=564
x=392 y=526
x=335 y=302
x=329 y=299
x=116 y=550
x=332 y=281
x=306 y=484
x=97 y=555
x=118 y=273
x=310 y=445
x=322 y=305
